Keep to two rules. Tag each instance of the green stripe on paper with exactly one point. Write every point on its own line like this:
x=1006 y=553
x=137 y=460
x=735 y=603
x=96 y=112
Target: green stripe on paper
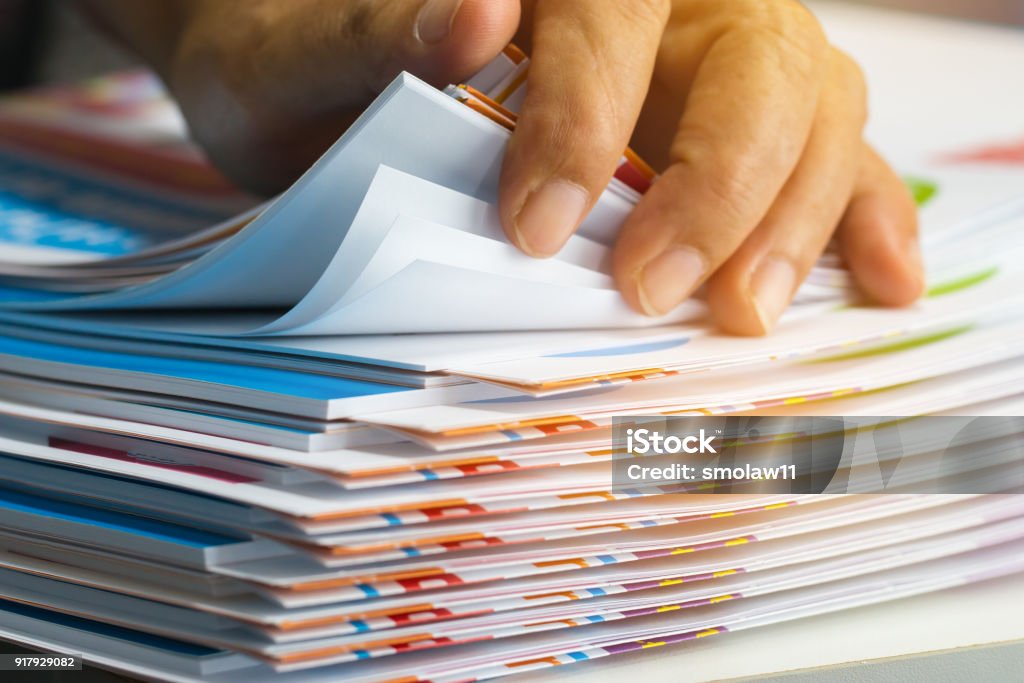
x=903 y=345
x=961 y=283
x=922 y=190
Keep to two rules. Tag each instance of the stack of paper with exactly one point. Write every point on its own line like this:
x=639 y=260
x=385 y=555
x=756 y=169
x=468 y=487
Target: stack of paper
x=353 y=434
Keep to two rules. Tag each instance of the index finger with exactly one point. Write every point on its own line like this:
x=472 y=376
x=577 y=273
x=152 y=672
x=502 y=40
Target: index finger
x=590 y=68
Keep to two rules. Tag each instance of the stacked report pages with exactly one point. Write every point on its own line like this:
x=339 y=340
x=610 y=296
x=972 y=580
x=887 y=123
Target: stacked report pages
x=352 y=434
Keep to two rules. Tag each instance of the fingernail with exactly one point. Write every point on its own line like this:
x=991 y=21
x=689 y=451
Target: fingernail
x=773 y=285
x=434 y=22
x=550 y=214
x=667 y=280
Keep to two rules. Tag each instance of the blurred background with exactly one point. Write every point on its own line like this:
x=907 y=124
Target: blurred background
x=45 y=41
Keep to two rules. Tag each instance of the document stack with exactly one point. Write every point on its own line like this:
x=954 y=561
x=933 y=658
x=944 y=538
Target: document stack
x=353 y=434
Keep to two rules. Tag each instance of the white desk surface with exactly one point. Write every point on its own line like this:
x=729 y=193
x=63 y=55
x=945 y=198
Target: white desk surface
x=931 y=79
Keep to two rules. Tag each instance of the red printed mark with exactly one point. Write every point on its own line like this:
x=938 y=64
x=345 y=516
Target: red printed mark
x=124 y=456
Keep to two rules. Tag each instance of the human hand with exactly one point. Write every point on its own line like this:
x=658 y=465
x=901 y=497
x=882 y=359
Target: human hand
x=755 y=123
x=753 y=119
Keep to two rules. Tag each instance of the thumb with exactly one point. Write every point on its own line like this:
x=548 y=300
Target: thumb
x=344 y=53
x=457 y=38
x=267 y=86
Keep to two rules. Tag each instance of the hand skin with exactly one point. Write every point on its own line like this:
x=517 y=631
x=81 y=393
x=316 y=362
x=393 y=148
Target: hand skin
x=753 y=120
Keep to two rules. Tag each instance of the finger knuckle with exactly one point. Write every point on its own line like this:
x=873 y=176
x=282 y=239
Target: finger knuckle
x=790 y=33
x=730 y=181
x=654 y=12
x=850 y=73
x=567 y=132
x=804 y=28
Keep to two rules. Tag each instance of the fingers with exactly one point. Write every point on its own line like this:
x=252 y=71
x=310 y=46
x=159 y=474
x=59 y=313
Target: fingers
x=878 y=236
x=747 y=120
x=757 y=283
x=591 y=65
x=457 y=38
